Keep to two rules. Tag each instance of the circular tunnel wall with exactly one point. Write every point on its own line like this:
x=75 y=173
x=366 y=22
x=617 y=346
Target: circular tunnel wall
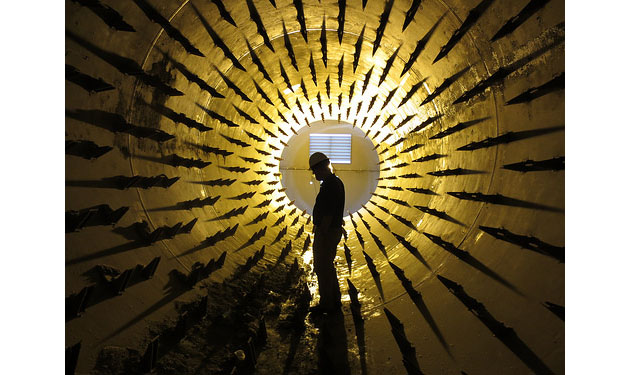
x=178 y=113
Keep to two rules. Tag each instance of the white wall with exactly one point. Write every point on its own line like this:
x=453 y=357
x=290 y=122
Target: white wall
x=359 y=177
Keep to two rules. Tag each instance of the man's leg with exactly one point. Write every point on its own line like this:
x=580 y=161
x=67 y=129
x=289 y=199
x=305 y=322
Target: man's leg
x=324 y=252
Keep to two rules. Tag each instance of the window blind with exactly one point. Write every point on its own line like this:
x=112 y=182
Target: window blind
x=338 y=147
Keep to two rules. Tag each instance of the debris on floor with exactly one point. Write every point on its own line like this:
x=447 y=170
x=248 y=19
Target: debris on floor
x=253 y=323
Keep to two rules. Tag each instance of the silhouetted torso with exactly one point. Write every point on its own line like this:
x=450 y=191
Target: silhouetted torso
x=330 y=201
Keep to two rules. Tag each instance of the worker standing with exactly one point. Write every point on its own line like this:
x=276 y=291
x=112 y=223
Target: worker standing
x=328 y=222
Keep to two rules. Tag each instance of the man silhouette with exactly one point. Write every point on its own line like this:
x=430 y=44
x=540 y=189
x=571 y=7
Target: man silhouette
x=328 y=222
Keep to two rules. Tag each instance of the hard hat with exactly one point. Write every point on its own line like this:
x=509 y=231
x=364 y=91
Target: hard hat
x=316 y=158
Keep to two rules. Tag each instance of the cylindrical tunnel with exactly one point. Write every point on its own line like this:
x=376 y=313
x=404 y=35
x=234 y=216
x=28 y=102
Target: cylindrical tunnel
x=177 y=113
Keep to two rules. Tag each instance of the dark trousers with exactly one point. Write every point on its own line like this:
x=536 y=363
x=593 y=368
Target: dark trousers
x=324 y=251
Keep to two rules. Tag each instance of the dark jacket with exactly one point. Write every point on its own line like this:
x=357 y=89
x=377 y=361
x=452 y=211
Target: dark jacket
x=330 y=201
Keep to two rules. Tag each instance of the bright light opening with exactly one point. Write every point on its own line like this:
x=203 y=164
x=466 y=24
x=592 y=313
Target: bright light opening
x=338 y=147
x=293 y=88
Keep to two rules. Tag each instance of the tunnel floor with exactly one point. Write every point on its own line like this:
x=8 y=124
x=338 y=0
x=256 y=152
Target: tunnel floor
x=268 y=302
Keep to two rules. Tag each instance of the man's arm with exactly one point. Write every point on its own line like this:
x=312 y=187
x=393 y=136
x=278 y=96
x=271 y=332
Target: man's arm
x=324 y=226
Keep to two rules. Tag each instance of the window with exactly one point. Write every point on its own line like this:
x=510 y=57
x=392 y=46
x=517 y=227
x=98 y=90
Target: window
x=338 y=147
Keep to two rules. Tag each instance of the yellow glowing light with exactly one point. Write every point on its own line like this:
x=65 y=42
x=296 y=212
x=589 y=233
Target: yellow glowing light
x=404 y=80
x=293 y=88
x=478 y=237
x=307 y=257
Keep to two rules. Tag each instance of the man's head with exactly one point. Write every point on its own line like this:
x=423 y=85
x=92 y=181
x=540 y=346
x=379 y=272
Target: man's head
x=318 y=162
